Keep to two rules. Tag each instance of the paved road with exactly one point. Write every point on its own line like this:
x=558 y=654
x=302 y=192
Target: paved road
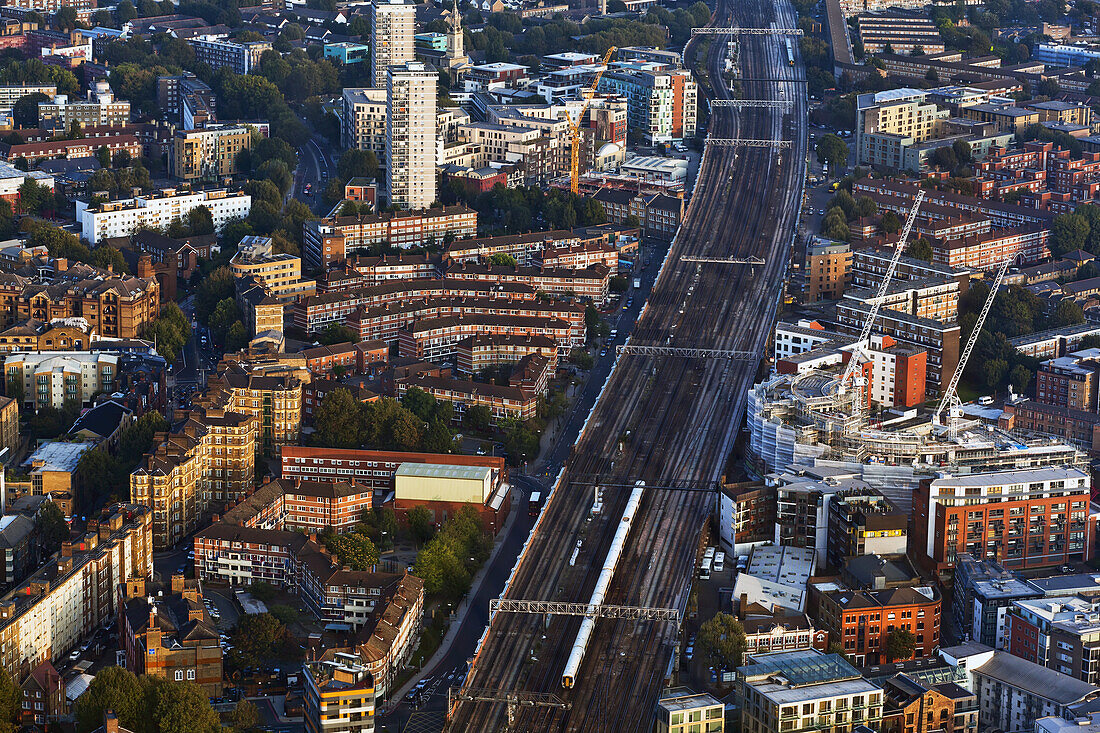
x=316 y=165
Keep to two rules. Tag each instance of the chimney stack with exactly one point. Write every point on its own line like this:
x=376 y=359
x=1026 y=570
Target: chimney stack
x=110 y=722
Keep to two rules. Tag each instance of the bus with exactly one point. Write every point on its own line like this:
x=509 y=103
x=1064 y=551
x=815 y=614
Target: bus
x=704 y=569
x=790 y=53
x=534 y=504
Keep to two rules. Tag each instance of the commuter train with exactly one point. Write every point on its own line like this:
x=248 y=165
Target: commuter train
x=790 y=53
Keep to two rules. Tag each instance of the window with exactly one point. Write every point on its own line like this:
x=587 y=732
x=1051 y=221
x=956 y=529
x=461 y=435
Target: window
x=179 y=675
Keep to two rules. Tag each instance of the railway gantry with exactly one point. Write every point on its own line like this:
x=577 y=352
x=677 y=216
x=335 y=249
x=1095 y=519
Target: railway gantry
x=667 y=416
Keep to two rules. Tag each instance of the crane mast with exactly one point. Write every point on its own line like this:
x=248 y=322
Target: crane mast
x=575 y=127
x=861 y=343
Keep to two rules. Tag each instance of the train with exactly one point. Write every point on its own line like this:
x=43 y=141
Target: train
x=588 y=625
x=790 y=53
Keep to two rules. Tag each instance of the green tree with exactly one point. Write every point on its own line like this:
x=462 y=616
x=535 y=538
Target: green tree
x=1067 y=313
x=11 y=698
x=721 y=641
x=1019 y=377
x=200 y=220
x=890 y=223
x=419 y=520
x=25 y=110
x=260 y=638
x=356 y=163
x=419 y=403
x=178 y=707
x=64 y=18
x=944 y=158
x=900 y=644
x=501 y=258
x=339 y=421
x=52 y=530
x=920 y=248
x=832 y=149
x=34 y=197
x=353 y=550
x=1068 y=232
x=113 y=688
x=245 y=717
x=835 y=225
x=125 y=11
x=214 y=288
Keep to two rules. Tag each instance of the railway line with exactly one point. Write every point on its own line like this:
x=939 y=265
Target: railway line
x=660 y=419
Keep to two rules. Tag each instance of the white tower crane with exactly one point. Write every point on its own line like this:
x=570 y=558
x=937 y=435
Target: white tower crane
x=950 y=400
x=861 y=343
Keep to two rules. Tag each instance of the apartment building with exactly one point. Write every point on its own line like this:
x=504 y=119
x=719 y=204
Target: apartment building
x=527 y=249
x=1058 y=632
x=474 y=354
x=330 y=240
x=902 y=32
x=100 y=108
x=1024 y=518
x=308 y=504
x=803 y=691
x=76 y=593
x=828 y=270
x=363 y=124
x=679 y=710
x=591 y=283
x=983 y=593
x=862 y=620
x=437 y=338
x=915 y=704
x=746 y=516
x=371 y=270
x=220 y=52
x=12 y=93
x=210 y=153
x=410 y=133
x=886 y=120
x=339 y=696
x=864 y=523
x=209 y=462
x=504 y=402
x=185 y=96
x=123 y=217
x=279 y=274
x=314 y=313
x=167 y=633
x=803 y=498
x=275 y=400
x=661 y=105
x=393 y=25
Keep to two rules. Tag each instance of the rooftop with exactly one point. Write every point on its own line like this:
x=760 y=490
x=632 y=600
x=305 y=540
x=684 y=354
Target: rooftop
x=441 y=470
x=58 y=456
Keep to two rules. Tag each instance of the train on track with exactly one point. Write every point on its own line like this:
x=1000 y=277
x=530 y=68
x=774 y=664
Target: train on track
x=790 y=52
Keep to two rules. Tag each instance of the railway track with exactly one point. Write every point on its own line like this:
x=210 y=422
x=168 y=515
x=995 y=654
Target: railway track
x=660 y=419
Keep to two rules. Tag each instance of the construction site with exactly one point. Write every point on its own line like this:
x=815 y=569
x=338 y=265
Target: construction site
x=821 y=416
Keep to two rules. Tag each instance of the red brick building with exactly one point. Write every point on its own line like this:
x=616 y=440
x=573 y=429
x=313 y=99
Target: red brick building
x=861 y=620
x=1026 y=518
x=325 y=359
x=303 y=504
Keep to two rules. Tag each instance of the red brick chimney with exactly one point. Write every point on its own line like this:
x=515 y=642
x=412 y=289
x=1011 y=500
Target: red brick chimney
x=110 y=722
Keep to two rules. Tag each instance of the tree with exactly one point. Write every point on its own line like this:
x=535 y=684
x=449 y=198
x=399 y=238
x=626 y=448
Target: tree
x=52 y=528
x=64 y=18
x=419 y=519
x=355 y=163
x=502 y=258
x=11 y=697
x=335 y=333
x=177 y=707
x=920 y=249
x=34 y=196
x=261 y=637
x=1048 y=88
x=1067 y=313
x=900 y=644
x=200 y=220
x=832 y=149
x=865 y=206
x=721 y=641
x=479 y=417
x=419 y=403
x=125 y=11
x=1068 y=232
x=116 y=689
x=944 y=158
x=214 y=288
x=353 y=550
x=245 y=717
x=25 y=110
x=1019 y=378
x=339 y=421
x=890 y=223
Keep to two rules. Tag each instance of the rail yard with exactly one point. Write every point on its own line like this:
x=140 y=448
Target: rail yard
x=667 y=419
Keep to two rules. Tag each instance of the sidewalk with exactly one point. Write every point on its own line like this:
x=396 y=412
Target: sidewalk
x=464 y=606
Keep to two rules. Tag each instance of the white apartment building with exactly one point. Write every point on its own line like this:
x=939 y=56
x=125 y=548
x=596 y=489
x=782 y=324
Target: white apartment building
x=888 y=123
x=364 y=119
x=52 y=378
x=662 y=105
x=12 y=93
x=100 y=108
x=121 y=218
x=392 y=28
x=410 y=135
x=219 y=52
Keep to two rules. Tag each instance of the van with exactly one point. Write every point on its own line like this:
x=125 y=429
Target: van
x=985 y=400
x=719 y=561
x=704 y=569
x=709 y=554
x=742 y=562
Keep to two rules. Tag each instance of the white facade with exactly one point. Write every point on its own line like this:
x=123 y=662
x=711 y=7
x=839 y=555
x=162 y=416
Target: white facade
x=392 y=31
x=364 y=121
x=120 y=218
x=410 y=135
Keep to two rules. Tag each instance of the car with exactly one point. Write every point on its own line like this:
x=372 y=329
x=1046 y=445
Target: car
x=603 y=352
x=1066 y=568
x=481 y=450
x=75 y=655
x=821 y=212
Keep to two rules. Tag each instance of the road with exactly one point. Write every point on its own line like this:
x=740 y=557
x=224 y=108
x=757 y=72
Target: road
x=316 y=166
x=666 y=418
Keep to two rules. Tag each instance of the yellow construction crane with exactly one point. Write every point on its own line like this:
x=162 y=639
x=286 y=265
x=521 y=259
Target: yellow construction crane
x=575 y=127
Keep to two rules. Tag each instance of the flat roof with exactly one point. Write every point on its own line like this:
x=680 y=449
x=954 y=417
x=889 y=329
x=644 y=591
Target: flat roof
x=443 y=470
x=1046 y=473
x=59 y=456
x=1036 y=679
